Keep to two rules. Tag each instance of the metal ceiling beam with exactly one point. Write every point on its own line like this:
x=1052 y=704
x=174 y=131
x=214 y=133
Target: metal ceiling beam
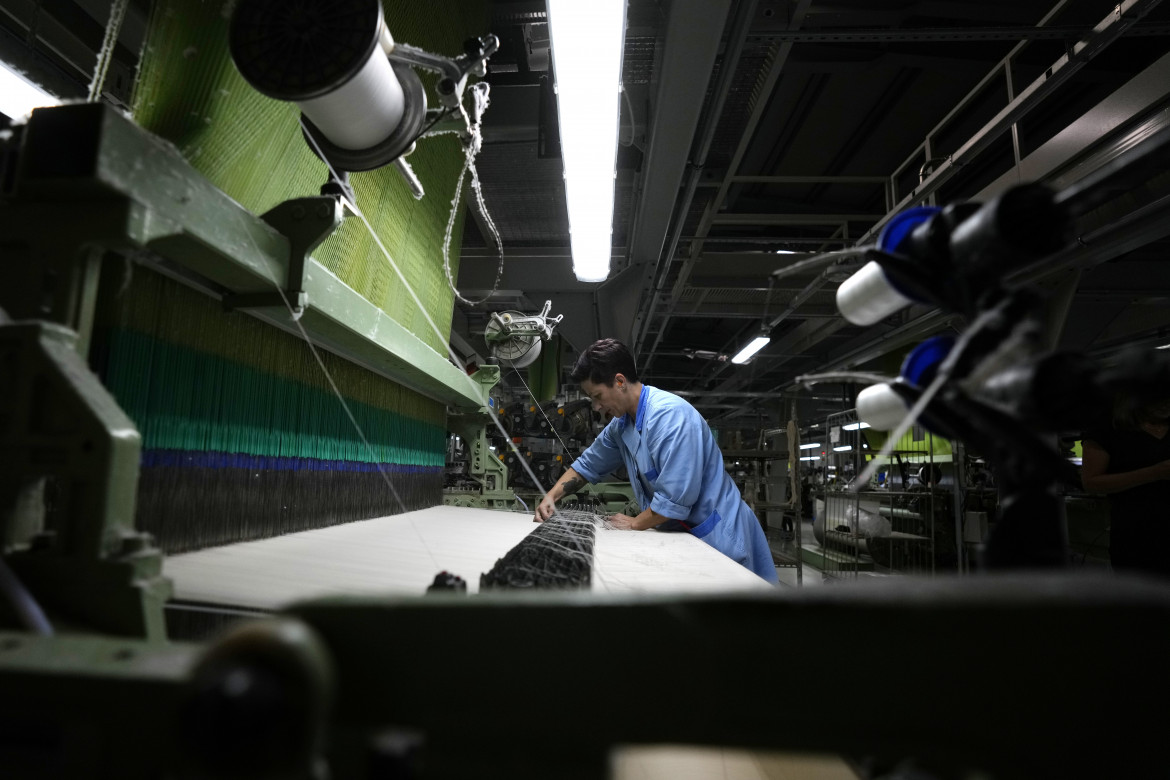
x=741 y=24
x=799 y=340
x=694 y=30
x=796 y=342
x=1107 y=31
x=1102 y=35
x=807 y=180
x=771 y=240
x=539 y=273
x=798 y=13
x=1146 y=224
x=1127 y=109
x=972 y=34
x=793 y=219
x=729 y=311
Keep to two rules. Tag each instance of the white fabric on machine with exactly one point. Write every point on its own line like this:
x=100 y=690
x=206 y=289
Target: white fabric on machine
x=401 y=554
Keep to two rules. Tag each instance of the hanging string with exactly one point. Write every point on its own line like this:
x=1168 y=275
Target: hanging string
x=106 y=55
x=353 y=207
x=472 y=143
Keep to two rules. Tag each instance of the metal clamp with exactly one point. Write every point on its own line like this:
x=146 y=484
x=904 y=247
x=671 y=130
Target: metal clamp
x=305 y=222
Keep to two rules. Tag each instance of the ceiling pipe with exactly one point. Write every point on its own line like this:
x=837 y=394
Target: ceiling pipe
x=737 y=37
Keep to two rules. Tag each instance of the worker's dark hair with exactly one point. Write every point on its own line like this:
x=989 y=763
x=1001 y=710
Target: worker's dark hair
x=602 y=361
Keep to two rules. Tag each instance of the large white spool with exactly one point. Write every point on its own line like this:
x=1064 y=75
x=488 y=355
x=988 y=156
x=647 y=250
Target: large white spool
x=362 y=112
x=881 y=407
x=868 y=297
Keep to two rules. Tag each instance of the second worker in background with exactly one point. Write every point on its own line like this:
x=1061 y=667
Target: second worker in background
x=675 y=466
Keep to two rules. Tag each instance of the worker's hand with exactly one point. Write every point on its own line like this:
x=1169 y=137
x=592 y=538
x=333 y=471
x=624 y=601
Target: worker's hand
x=622 y=522
x=545 y=509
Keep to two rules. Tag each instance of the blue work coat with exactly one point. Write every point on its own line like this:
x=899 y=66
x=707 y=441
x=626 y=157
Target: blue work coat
x=676 y=469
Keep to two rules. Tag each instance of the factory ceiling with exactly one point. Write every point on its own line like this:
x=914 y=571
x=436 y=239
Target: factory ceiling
x=757 y=134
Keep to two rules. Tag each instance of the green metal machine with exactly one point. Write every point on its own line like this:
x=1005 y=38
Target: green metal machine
x=484 y=468
x=86 y=184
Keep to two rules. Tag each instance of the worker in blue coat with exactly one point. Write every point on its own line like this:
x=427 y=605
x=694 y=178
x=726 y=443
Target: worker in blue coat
x=674 y=464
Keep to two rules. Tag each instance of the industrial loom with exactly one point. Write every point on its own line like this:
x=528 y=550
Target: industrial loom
x=161 y=414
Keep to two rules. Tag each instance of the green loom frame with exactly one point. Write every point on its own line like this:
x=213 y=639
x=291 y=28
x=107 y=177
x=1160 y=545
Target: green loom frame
x=89 y=180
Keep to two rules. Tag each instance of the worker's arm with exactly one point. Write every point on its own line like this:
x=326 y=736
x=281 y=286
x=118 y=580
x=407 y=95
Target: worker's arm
x=569 y=483
x=645 y=519
x=1095 y=462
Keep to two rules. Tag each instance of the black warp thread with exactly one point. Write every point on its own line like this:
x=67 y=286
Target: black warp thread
x=557 y=555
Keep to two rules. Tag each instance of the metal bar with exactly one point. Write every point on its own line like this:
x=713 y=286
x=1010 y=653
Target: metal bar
x=792 y=219
x=808 y=179
x=974 y=92
x=743 y=313
x=766 y=240
x=947 y=34
x=1103 y=34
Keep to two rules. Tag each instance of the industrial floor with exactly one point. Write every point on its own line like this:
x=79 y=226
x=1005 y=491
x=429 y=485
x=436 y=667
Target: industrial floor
x=788 y=549
x=810 y=573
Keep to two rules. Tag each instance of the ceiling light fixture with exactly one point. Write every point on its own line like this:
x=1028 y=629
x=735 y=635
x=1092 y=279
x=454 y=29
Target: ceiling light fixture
x=587 y=44
x=811 y=445
x=843 y=448
x=854 y=426
x=811 y=457
x=748 y=352
x=19 y=96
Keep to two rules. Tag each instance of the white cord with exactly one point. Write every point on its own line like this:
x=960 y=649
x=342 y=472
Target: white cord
x=472 y=144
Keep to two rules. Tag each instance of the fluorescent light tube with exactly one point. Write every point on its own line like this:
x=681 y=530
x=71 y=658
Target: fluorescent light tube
x=745 y=354
x=587 y=43
x=812 y=457
x=810 y=446
x=843 y=448
x=854 y=426
x=19 y=96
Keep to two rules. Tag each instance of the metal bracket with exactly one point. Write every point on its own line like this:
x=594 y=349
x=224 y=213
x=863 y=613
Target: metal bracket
x=305 y=222
x=87 y=566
